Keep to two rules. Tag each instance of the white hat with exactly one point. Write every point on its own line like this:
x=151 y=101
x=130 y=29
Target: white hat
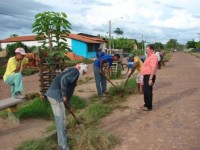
x=82 y=67
x=20 y=50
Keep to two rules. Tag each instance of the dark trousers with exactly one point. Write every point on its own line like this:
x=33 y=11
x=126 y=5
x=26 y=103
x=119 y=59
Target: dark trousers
x=148 y=91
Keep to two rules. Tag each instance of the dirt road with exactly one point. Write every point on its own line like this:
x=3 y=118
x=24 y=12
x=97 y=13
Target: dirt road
x=174 y=122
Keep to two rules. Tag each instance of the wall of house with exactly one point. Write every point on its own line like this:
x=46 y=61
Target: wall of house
x=34 y=43
x=80 y=48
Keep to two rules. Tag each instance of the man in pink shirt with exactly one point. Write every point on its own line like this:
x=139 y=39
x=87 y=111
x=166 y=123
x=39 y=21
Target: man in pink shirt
x=149 y=72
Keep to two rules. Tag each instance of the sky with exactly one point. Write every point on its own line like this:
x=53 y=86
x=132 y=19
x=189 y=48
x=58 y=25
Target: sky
x=150 y=20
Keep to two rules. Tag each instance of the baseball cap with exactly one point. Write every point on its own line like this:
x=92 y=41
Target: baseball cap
x=20 y=50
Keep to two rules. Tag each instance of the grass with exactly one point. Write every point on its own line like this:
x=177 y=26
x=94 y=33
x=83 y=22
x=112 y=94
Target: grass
x=89 y=137
x=77 y=102
x=35 y=108
x=121 y=89
x=38 y=144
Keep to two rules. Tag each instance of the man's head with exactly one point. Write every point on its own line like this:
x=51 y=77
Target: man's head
x=131 y=55
x=82 y=69
x=149 y=49
x=116 y=57
x=20 y=53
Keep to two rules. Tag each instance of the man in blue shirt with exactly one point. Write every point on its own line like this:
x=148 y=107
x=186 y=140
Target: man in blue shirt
x=99 y=74
x=59 y=94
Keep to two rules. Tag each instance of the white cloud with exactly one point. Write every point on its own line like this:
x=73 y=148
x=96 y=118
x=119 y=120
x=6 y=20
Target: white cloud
x=153 y=18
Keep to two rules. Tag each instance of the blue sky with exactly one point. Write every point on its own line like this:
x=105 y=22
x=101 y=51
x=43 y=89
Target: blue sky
x=156 y=20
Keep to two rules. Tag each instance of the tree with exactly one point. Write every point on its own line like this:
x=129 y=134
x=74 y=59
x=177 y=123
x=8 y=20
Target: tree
x=14 y=35
x=197 y=45
x=124 y=43
x=53 y=29
x=191 y=44
x=118 y=31
x=172 y=44
x=158 y=46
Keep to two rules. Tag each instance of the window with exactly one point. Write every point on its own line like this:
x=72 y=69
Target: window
x=93 y=47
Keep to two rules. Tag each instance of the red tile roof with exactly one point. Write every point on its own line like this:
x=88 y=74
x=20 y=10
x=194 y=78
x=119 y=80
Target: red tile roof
x=82 y=38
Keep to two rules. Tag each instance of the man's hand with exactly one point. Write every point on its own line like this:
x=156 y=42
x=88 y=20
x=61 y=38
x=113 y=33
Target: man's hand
x=18 y=66
x=150 y=82
x=67 y=105
x=101 y=71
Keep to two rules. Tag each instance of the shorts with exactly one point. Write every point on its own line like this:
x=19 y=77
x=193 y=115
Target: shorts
x=139 y=79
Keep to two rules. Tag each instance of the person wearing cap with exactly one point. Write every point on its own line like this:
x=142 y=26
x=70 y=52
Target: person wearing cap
x=59 y=94
x=137 y=66
x=13 y=75
x=99 y=74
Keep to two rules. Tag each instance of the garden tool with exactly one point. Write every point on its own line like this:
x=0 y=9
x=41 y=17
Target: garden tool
x=109 y=80
x=69 y=109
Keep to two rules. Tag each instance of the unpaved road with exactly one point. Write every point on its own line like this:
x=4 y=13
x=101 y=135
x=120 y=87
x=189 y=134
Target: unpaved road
x=174 y=122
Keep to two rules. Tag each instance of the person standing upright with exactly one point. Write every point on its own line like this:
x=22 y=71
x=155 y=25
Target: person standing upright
x=149 y=73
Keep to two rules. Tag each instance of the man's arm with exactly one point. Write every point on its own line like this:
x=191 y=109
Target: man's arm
x=101 y=66
x=132 y=70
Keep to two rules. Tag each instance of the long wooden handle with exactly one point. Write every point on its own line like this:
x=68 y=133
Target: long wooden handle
x=69 y=108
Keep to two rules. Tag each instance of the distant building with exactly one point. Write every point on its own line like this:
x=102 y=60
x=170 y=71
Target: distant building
x=82 y=44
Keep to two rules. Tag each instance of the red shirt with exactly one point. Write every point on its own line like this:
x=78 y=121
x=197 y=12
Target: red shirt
x=150 y=62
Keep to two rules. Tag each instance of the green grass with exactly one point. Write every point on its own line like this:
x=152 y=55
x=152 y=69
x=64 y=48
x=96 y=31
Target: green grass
x=35 y=108
x=38 y=144
x=77 y=102
x=94 y=112
x=123 y=90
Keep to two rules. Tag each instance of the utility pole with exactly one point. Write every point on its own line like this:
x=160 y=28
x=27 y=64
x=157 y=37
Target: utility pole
x=198 y=36
x=109 y=34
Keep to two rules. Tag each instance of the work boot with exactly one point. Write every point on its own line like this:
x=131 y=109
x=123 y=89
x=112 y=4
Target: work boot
x=18 y=95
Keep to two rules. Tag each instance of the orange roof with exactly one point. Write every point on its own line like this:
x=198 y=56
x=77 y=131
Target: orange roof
x=19 y=38
x=82 y=38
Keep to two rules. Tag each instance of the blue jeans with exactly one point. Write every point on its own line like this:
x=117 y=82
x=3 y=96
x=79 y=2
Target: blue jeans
x=100 y=81
x=16 y=83
x=60 y=121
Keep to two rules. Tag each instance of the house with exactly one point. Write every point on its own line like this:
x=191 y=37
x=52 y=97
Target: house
x=81 y=44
